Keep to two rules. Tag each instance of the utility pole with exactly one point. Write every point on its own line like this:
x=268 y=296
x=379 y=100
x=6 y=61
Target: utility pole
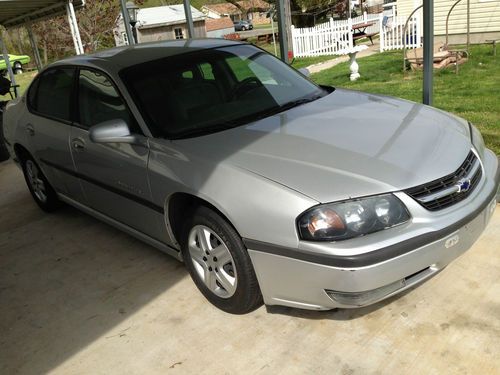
x=288 y=23
x=282 y=31
x=428 y=51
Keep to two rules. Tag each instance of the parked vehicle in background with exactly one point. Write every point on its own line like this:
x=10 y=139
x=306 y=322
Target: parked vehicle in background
x=270 y=188
x=243 y=25
x=17 y=63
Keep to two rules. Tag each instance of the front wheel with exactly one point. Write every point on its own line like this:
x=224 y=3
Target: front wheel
x=219 y=264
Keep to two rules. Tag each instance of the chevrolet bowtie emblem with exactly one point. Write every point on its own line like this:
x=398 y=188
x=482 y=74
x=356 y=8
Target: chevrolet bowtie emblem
x=463 y=185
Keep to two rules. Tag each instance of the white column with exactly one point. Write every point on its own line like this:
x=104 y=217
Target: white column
x=126 y=23
x=189 y=18
x=3 y=48
x=381 y=33
x=73 y=25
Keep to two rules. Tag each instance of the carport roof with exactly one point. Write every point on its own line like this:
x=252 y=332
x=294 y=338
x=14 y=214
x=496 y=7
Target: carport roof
x=17 y=12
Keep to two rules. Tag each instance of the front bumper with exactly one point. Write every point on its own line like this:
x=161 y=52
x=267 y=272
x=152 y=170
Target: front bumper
x=295 y=278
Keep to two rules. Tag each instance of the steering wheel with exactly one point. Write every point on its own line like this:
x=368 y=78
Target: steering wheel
x=248 y=84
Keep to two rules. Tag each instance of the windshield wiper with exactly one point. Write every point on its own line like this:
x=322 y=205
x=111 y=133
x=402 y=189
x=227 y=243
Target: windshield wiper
x=196 y=132
x=296 y=103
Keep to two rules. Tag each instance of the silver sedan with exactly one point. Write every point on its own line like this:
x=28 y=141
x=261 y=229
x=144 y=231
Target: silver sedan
x=269 y=187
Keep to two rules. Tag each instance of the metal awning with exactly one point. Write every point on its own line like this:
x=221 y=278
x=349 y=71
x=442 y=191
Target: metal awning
x=24 y=12
x=17 y=12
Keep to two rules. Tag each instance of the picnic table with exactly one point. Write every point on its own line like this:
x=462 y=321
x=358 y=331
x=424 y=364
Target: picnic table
x=359 y=31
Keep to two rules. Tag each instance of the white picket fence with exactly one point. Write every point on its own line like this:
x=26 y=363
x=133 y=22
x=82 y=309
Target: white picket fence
x=336 y=37
x=329 y=38
x=393 y=34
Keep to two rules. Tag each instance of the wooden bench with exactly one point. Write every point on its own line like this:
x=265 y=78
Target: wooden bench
x=268 y=38
x=493 y=42
x=441 y=59
x=362 y=35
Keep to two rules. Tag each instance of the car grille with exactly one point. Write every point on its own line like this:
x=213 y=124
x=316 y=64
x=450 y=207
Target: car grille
x=453 y=188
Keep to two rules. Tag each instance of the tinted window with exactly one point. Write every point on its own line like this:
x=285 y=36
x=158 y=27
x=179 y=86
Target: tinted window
x=32 y=94
x=215 y=89
x=53 y=94
x=99 y=101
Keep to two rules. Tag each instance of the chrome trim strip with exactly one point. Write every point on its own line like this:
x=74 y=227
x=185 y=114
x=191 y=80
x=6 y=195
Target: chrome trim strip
x=125 y=228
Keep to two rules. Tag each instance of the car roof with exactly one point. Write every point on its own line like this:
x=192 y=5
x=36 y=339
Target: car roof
x=117 y=58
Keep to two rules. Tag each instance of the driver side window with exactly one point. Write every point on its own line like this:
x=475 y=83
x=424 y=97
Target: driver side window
x=98 y=101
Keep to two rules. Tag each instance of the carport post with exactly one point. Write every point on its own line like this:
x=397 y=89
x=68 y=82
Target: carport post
x=34 y=47
x=428 y=50
x=126 y=23
x=189 y=18
x=73 y=25
x=282 y=30
x=9 y=66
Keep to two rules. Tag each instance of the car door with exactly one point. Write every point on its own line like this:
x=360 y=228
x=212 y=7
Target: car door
x=114 y=176
x=48 y=125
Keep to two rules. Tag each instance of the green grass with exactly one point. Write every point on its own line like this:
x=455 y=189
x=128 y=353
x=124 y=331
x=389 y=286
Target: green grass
x=297 y=63
x=473 y=94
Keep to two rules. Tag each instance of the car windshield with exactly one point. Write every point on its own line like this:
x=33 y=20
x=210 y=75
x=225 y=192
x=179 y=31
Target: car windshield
x=211 y=90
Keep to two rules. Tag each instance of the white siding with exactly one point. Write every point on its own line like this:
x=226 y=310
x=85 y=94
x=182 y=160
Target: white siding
x=484 y=15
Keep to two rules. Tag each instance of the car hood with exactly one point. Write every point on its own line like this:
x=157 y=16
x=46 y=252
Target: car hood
x=346 y=144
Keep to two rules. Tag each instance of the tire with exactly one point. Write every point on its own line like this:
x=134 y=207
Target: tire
x=243 y=28
x=18 y=68
x=40 y=189
x=228 y=282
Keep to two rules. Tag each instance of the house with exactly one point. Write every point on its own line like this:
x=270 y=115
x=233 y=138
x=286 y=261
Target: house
x=161 y=23
x=257 y=11
x=484 y=19
x=218 y=27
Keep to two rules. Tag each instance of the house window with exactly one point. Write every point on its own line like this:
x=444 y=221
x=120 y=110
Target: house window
x=178 y=33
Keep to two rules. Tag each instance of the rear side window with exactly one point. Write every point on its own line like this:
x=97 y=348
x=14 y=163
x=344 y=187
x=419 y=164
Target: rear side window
x=98 y=101
x=32 y=93
x=51 y=95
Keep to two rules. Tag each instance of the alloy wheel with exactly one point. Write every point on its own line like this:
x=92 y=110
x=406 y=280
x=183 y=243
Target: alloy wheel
x=212 y=261
x=35 y=180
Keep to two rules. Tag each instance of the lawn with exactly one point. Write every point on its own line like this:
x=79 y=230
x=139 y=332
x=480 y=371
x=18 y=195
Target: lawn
x=297 y=63
x=473 y=94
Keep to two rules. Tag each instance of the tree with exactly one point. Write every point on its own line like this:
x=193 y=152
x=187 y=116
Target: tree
x=96 y=21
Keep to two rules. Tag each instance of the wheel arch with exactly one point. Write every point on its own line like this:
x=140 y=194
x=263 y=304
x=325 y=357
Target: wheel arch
x=179 y=206
x=21 y=152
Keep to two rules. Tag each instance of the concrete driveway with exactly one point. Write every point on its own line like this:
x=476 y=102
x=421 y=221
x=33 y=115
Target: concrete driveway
x=79 y=297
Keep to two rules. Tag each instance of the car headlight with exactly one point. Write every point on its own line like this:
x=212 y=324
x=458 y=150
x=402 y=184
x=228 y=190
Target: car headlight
x=477 y=140
x=352 y=218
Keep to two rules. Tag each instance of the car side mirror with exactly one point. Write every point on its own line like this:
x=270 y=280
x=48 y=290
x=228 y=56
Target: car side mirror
x=112 y=131
x=305 y=71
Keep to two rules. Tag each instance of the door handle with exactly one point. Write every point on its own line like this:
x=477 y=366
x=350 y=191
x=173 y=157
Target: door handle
x=78 y=144
x=30 y=129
